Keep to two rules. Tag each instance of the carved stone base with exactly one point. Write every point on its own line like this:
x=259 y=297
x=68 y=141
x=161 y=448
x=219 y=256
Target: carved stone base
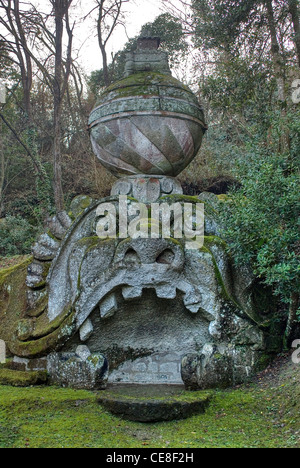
x=147 y=189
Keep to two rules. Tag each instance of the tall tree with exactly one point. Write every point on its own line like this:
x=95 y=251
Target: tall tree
x=29 y=32
x=60 y=84
x=109 y=17
x=16 y=25
x=294 y=11
x=231 y=25
x=275 y=51
x=172 y=36
x=19 y=26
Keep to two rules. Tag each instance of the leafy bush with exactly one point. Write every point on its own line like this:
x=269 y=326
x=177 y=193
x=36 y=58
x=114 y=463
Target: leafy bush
x=16 y=236
x=262 y=221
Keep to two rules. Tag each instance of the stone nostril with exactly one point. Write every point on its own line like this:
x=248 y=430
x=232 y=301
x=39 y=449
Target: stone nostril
x=166 y=257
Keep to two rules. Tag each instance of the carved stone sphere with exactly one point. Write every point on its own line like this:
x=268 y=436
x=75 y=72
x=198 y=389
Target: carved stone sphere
x=148 y=123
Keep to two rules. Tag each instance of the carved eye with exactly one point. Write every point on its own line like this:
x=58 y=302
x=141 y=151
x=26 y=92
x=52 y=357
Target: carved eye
x=166 y=257
x=131 y=257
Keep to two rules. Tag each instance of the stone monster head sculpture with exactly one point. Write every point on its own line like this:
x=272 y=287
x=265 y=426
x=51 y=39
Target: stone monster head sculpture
x=158 y=306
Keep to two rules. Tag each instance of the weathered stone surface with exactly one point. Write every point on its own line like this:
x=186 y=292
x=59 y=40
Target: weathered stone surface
x=118 y=277
x=68 y=370
x=221 y=366
x=59 y=224
x=190 y=366
x=86 y=331
x=159 y=303
x=135 y=130
x=25 y=328
x=37 y=274
x=108 y=306
x=45 y=248
x=37 y=301
x=79 y=204
x=28 y=364
x=154 y=404
x=147 y=58
x=148 y=123
x=22 y=379
x=12 y=299
x=147 y=189
x=83 y=353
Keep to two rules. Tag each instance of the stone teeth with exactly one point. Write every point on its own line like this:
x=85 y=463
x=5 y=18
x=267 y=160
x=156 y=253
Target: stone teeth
x=166 y=292
x=132 y=293
x=86 y=331
x=193 y=301
x=194 y=308
x=109 y=306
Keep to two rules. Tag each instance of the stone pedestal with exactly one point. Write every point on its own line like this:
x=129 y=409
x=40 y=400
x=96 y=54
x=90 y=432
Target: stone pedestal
x=147 y=189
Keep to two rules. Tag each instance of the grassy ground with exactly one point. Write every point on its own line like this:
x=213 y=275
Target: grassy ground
x=263 y=414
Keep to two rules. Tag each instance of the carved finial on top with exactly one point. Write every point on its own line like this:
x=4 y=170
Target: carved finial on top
x=148 y=42
x=147 y=57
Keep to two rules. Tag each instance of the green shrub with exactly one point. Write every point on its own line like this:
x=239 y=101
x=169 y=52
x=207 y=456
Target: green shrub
x=262 y=221
x=16 y=236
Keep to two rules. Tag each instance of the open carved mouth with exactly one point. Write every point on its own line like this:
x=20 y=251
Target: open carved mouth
x=135 y=270
x=184 y=292
x=143 y=336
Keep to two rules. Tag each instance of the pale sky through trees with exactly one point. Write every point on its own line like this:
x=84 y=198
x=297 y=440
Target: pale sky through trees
x=137 y=13
x=85 y=46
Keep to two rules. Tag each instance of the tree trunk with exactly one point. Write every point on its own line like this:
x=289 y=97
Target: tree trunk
x=59 y=11
x=2 y=171
x=102 y=43
x=24 y=61
x=275 y=49
x=105 y=65
x=293 y=8
x=57 y=163
x=284 y=140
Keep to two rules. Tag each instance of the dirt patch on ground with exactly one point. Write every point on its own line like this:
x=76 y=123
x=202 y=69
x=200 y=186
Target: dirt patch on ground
x=281 y=372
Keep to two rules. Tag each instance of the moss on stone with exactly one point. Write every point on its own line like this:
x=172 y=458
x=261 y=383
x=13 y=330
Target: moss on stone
x=46 y=268
x=51 y=338
x=215 y=240
x=7 y=272
x=88 y=242
x=155 y=408
x=13 y=300
x=209 y=242
x=22 y=379
x=179 y=198
x=79 y=205
x=141 y=81
x=40 y=305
